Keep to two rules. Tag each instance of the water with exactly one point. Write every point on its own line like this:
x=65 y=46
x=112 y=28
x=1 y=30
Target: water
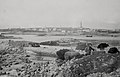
x=36 y=38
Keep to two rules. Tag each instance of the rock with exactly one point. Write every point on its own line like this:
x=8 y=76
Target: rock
x=60 y=74
x=33 y=44
x=27 y=55
x=13 y=72
x=70 y=55
x=59 y=62
x=98 y=52
x=81 y=46
x=61 y=53
x=113 y=50
x=51 y=43
x=1 y=68
x=92 y=64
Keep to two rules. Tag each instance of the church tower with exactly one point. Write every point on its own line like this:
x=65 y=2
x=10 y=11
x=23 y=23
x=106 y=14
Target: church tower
x=81 y=27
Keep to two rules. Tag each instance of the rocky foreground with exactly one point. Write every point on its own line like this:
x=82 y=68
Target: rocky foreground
x=16 y=62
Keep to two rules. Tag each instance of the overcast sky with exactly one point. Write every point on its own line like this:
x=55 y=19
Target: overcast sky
x=65 y=13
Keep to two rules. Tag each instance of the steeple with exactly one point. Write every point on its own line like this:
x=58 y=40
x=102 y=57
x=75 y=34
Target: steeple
x=81 y=25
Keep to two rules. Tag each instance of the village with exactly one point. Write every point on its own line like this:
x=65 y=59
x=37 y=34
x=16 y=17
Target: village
x=62 y=31
x=59 y=38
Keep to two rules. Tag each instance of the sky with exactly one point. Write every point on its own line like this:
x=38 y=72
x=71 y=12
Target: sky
x=60 y=13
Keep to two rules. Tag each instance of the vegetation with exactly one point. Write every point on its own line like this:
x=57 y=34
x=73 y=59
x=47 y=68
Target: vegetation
x=15 y=62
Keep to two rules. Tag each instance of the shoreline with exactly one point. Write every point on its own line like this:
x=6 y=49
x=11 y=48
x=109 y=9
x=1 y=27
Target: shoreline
x=17 y=57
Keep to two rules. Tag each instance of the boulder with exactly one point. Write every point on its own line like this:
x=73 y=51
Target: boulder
x=102 y=46
x=60 y=54
x=81 y=46
x=113 y=50
x=70 y=55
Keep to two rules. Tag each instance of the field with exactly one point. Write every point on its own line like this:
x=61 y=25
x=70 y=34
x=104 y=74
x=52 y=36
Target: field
x=24 y=61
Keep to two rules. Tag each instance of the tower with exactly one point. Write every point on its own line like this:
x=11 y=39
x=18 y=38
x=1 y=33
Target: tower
x=81 y=25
